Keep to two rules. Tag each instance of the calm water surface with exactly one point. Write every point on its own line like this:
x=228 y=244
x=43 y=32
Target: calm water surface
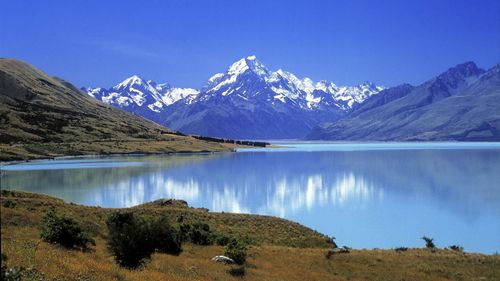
x=366 y=195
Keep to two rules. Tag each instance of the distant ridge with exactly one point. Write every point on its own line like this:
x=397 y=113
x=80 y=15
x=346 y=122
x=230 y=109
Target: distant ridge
x=461 y=104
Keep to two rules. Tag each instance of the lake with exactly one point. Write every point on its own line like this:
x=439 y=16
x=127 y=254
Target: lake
x=367 y=195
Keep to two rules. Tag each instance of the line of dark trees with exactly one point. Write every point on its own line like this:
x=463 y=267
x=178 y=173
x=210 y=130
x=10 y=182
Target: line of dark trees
x=240 y=142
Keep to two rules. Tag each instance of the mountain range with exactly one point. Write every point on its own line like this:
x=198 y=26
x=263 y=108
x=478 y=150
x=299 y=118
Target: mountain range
x=44 y=116
x=250 y=101
x=461 y=104
x=246 y=101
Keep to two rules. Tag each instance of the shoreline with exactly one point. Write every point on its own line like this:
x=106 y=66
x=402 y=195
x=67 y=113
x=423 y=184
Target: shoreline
x=273 y=144
x=212 y=145
x=84 y=156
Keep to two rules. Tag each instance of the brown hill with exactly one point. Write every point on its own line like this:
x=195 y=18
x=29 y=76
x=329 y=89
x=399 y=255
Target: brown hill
x=43 y=116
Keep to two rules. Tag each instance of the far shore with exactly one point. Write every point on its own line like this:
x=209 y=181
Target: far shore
x=90 y=156
x=272 y=144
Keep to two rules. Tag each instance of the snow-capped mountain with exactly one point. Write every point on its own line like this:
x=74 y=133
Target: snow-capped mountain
x=246 y=101
x=143 y=97
x=285 y=87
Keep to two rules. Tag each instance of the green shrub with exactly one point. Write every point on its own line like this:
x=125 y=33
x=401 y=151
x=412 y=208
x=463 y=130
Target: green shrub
x=184 y=229
x=236 y=250
x=237 y=271
x=328 y=254
x=246 y=240
x=429 y=242
x=199 y=233
x=221 y=239
x=132 y=238
x=401 y=249
x=129 y=239
x=166 y=239
x=8 y=203
x=64 y=231
x=456 y=248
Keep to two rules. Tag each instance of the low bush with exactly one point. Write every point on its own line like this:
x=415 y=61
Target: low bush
x=221 y=239
x=8 y=203
x=166 y=239
x=129 y=239
x=133 y=239
x=328 y=254
x=237 y=271
x=401 y=249
x=429 y=242
x=456 y=248
x=199 y=233
x=64 y=231
x=236 y=250
x=184 y=231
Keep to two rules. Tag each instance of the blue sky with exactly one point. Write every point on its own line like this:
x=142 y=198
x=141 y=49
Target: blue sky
x=100 y=43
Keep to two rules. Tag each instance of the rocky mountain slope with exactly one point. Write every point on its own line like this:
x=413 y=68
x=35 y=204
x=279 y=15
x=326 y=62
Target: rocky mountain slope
x=461 y=104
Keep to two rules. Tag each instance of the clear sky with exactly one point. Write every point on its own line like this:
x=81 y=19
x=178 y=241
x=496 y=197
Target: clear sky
x=99 y=43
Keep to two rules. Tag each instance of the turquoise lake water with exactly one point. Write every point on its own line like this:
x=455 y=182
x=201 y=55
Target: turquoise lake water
x=367 y=195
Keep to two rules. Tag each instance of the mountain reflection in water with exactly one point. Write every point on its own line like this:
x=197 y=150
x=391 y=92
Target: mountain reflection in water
x=395 y=195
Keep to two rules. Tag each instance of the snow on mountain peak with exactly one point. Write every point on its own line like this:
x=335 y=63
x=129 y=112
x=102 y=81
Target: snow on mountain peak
x=250 y=62
x=304 y=93
x=327 y=87
x=177 y=94
x=307 y=85
x=246 y=78
x=219 y=80
x=137 y=92
x=215 y=77
x=132 y=80
x=357 y=94
x=94 y=92
x=256 y=66
x=238 y=67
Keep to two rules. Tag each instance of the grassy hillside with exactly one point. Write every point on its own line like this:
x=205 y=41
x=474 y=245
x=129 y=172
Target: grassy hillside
x=43 y=116
x=280 y=249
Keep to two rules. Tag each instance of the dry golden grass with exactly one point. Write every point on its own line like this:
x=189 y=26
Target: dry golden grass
x=269 y=258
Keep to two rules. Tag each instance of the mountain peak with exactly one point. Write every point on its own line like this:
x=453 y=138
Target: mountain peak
x=463 y=70
x=132 y=80
x=456 y=75
x=244 y=64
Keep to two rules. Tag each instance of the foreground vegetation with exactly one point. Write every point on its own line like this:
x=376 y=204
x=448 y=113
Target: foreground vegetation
x=274 y=249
